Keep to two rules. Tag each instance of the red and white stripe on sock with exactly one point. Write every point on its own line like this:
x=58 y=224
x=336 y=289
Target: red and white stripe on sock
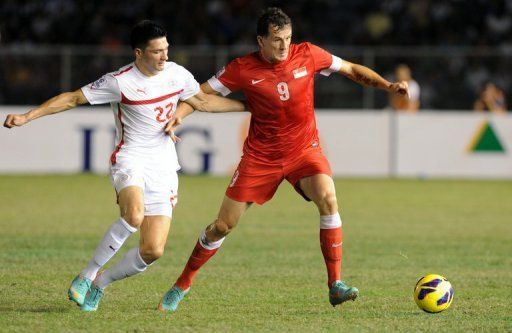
x=331 y=243
x=202 y=252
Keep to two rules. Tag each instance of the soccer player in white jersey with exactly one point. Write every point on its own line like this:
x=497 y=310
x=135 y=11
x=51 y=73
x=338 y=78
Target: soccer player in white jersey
x=143 y=96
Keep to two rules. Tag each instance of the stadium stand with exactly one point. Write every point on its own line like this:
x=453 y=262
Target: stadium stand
x=445 y=42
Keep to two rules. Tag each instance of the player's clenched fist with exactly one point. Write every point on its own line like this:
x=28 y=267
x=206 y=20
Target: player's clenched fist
x=15 y=120
x=401 y=88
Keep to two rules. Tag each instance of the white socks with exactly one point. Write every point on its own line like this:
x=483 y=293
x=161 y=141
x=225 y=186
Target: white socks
x=209 y=245
x=330 y=221
x=112 y=241
x=131 y=264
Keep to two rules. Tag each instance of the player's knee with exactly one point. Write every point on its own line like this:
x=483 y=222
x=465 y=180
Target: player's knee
x=328 y=203
x=222 y=228
x=134 y=216
x=151 y=253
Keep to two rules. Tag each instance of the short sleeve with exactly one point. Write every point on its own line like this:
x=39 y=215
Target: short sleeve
x=325 y=62
x=227 y=79
x=104 y=90
x=414 y=90
x=190 y=87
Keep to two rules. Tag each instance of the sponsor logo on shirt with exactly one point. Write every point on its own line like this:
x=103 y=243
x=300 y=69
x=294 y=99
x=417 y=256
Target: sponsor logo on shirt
x=256 y=81
x=142 y=90
x=98 y=83
x=300 y=72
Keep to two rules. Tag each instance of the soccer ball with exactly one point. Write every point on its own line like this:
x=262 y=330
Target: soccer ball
x=433 y=293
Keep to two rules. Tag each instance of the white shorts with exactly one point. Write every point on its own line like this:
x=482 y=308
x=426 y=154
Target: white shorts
x=160 y=187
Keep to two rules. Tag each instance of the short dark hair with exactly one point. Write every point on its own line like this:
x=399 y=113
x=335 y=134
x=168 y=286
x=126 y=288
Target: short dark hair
x=271 y=16
x=143 y=32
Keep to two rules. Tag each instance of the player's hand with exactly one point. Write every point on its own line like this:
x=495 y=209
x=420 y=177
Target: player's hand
x=171 y=127
x=13 y=120
x=400 y=88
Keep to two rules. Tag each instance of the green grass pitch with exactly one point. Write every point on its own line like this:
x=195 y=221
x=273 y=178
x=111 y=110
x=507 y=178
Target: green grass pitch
x=269 y=276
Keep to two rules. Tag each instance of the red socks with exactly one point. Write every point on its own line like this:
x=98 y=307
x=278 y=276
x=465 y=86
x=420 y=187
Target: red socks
x=331 y=244
x=331 y=237
x=197 y=259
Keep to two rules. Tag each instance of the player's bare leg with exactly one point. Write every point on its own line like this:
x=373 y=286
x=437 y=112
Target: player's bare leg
x=320 y=189
x=153 y=236
x=132 y=214
x=131 y=205
x=207 y=245
x=228 y=217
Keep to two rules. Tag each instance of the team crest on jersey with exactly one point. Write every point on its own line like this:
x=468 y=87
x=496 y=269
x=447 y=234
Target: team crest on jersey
x=220 y=72
x=98 y=83
x=300 y=72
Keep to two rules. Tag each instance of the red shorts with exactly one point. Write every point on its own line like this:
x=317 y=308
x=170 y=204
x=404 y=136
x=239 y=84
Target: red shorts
x=257 y=181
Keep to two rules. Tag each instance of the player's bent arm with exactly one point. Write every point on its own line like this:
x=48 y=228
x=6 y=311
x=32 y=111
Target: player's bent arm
x=367 y=77
x=364 y=75
x=206 y=102
x=59 y=103
x=183 y=110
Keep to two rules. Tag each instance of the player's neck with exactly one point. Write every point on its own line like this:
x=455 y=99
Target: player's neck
x=144 y=70
x=269 y=60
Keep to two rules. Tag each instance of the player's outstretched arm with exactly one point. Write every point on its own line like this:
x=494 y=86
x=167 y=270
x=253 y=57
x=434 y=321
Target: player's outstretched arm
x=62 y=102
x=367 y=77
x=208 y=101
x=183 y=110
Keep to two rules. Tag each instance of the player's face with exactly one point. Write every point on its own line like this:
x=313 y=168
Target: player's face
x=276 y=45
x=152 y=59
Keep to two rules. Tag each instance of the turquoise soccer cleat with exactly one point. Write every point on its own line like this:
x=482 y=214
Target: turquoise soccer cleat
x=92 y=299
x=78 y=289
x=172 y=298
x=340 y=293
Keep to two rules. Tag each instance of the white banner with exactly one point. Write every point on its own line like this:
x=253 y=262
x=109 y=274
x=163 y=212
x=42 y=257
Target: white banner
x=454 y=144
x=357 y=143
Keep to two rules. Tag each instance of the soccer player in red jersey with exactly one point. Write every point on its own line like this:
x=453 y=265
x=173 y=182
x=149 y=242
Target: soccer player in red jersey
x=283 y=143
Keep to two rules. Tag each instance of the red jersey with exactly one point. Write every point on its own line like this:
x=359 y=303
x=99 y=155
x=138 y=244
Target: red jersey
x=280 y=98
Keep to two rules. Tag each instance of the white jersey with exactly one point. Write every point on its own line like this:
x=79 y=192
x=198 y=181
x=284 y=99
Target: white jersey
x=142 y=106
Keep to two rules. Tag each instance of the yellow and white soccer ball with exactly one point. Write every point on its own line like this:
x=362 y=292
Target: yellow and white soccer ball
x=433 y=293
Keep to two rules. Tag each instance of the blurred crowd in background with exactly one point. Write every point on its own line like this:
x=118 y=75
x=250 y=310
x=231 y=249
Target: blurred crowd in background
x=447 y=80
x=219 y=22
